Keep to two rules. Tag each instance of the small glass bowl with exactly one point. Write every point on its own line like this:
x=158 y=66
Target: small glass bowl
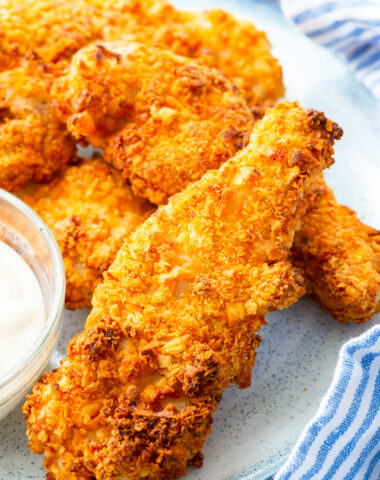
x=23 y=230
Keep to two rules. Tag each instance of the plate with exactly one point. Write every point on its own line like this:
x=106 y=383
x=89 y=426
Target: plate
x=254 y=429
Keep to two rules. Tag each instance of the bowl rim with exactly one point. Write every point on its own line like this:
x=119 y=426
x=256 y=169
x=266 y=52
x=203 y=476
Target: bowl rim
x=54 y=315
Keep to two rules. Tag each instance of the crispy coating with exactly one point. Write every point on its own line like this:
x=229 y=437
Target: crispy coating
x=170 y=135
x=33 y=142
x=37 y=39
x=220 y=40
x=240 y=51
x=235 y=47
x=340 y=257
x=176 y=317
x=162 y=119
x=53 y=30
x=91 y=210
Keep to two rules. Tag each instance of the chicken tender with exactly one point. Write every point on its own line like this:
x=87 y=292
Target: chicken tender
x=340 y=257
x=53 y=30
x=90 y=209
x=33 y=142
x=50 y=32
x=240 y=51
x=176 y=318
x=37 y=38
x=162 y=119
x=162 y=149
x=220 y=40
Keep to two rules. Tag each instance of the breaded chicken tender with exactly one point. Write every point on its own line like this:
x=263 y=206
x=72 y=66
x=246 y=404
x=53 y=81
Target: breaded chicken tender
x=53 y=30
x=176 y=318
x=34 y=143
x=218 y=39
x=233 y=46
x=168 y=138
x=340 y=257
x=37 y=39
x=162 y=119
x=90 y=210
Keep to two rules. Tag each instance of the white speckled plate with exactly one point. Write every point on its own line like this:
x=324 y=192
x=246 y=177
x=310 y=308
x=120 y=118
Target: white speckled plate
x=254 y=429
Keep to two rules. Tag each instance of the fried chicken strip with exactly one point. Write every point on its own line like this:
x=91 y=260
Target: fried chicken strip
x=50 y=32
x=176 y=319
x=162 y=119
x=340 y=257
x=53 y=30
x=90 y=210
x=164 y=143
x=37 y=38
x=218 y=39
x=34 y=143
x=240 y=51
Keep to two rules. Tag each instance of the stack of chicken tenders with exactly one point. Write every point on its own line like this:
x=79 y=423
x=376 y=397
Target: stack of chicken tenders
x=204 y=209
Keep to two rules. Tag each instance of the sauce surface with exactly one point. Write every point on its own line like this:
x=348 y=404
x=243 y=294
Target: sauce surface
x=22 y=311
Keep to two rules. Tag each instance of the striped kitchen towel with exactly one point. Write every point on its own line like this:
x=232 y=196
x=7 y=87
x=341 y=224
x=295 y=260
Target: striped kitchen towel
x=349 y=27
x=342 y=442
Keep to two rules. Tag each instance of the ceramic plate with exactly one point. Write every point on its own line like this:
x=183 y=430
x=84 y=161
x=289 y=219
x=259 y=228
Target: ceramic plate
x=254 y=429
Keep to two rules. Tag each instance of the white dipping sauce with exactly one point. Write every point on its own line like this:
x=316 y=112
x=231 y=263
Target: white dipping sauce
x=22 y=311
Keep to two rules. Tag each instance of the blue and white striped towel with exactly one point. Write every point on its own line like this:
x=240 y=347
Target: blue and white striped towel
x=342 y=442
x=349 y=27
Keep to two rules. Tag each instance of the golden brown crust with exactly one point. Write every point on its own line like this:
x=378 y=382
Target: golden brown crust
x=37 y=38
x=91 y=210
x=340 y=257
x=162 y=119
x=176 y=318
x=218 y=39
x=239 y=50
x=33 y=142
x=53 y=30
x=50 y=32
x=167 y=144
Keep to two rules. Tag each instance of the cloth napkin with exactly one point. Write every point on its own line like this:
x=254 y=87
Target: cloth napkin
x=349 y=27
x=342 y=441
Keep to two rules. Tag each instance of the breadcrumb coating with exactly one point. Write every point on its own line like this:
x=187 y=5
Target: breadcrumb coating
x=340 y=257
x=218 y=39
x=240 y=51
x=34 y=144
x=54 y=30
x=49 y=32
x=176 y=318
x=162 y=119
x=173 y=124
x=37 y=39
x=90 y=210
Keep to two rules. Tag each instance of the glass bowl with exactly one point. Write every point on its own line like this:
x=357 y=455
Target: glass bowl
x=23 y=230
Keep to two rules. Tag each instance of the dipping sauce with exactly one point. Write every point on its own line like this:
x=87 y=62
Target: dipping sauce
x=22 y=311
